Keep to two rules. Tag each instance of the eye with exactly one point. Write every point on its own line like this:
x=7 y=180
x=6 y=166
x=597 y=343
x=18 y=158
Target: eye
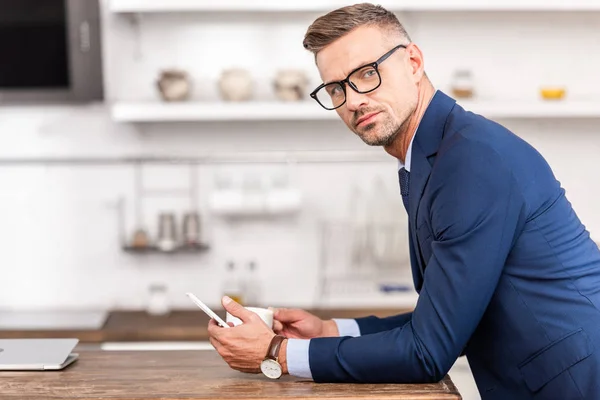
x=369 y=73
x=334 y=90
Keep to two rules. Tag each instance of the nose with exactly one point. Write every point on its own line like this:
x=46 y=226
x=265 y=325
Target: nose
x=355 y=100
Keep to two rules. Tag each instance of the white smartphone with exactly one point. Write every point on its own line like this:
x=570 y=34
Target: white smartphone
x=207 y=310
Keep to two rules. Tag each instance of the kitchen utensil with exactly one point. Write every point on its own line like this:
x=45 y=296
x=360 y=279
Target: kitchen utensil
x=167 y=234
x=191 y=228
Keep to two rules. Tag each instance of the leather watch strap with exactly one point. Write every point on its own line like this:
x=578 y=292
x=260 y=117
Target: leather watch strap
x=273 y=352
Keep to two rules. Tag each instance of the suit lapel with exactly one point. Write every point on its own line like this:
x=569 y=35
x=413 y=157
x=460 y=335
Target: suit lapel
x=414 y=262
x=419 y=174
x=426 y=143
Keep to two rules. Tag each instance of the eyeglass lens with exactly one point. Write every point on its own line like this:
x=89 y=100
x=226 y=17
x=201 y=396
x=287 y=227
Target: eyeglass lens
x=363 y=80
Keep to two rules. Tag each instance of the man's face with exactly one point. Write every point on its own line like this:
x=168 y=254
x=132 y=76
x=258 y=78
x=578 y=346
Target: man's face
x=379 y=116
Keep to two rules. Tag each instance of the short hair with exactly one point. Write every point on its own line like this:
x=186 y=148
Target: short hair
x=337 y=23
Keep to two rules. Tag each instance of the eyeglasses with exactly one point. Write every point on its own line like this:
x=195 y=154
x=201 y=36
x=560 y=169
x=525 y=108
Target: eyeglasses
x=363 y=79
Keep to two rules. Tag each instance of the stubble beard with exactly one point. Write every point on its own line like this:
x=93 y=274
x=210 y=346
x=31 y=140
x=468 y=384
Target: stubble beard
x=388 y=133
x=389 y=130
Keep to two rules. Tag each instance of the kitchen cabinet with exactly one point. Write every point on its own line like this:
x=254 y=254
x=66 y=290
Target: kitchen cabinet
x=180 y=325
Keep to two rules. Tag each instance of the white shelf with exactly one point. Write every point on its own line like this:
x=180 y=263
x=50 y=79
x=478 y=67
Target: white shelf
x=279 y=111
x=534 y=109
x=157 y=6
x=219 y=111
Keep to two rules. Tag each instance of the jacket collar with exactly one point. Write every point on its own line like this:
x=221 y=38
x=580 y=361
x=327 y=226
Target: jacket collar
x=431 y=128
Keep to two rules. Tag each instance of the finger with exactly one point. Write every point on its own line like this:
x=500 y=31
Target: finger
x=214 y=322
x=237 y=310
x=289 y=314
x=215 y=343
x=214 y=329
x=277 y=326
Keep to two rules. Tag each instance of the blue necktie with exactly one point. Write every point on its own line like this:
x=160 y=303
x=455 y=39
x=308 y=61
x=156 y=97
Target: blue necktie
x=404 y=177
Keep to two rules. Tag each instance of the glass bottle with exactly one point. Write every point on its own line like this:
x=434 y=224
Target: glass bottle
x=252 y=287
x=462 y=84
x=232 y=284
x=158 y=300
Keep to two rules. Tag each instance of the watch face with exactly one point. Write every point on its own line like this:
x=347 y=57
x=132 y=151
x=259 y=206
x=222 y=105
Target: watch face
x=270 y=368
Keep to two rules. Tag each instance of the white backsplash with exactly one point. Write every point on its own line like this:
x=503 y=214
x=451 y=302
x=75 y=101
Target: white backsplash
x=58 y=223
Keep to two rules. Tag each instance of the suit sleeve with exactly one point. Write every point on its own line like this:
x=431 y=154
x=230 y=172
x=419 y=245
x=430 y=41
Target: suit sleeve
x=372 y=324
x=476 y=211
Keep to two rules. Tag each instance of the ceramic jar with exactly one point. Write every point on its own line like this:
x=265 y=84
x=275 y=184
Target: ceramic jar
x=174 y=85
x=236 y=85
x=290 y=85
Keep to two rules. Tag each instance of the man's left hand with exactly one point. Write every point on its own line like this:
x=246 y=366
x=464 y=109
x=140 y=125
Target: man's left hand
x=243 y=347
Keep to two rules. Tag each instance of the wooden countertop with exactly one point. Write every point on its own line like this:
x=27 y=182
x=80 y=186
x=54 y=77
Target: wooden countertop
x=170 y=375
x=183 y=325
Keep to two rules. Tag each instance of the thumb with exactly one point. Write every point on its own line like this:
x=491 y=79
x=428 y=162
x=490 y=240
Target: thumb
x=288 y=314
x=277 y=326
x=236 y=309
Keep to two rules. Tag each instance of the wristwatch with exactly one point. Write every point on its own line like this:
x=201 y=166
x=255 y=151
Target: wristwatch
x=270 y=367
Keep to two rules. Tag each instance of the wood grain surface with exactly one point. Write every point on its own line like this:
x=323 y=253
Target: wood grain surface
x=170 y=375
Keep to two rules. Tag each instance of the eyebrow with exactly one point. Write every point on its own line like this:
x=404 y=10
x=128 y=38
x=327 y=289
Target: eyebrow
x=351 y=69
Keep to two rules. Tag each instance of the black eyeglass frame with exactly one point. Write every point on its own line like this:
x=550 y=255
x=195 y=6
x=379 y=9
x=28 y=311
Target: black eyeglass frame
x=343 y=82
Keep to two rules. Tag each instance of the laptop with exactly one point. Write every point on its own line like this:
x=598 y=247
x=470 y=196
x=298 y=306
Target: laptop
x=36 y=354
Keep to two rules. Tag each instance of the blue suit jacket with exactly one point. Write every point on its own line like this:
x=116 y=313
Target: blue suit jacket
x=506 y=273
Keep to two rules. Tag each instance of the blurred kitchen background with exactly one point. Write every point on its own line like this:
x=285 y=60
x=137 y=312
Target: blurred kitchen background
x=185 y=154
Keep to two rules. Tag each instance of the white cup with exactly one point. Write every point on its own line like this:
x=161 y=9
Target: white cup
x=264 y=313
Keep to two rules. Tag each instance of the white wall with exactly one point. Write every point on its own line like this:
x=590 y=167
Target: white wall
x=59 y=229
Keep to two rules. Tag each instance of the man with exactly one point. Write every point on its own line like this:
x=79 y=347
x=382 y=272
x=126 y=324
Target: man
x=506 y=273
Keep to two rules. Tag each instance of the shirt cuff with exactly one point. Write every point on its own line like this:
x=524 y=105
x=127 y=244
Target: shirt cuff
x=297 y=358
x=347 y=327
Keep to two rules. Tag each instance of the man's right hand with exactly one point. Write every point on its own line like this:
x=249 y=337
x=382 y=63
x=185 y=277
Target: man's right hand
x=298 y=324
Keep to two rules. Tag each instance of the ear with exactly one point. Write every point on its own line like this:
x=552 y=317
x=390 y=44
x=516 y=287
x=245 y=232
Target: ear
x=416 y=61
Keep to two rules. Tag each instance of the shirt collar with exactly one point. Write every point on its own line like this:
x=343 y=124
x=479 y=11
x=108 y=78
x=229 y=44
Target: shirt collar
x=408 y=154
x=406 y=164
